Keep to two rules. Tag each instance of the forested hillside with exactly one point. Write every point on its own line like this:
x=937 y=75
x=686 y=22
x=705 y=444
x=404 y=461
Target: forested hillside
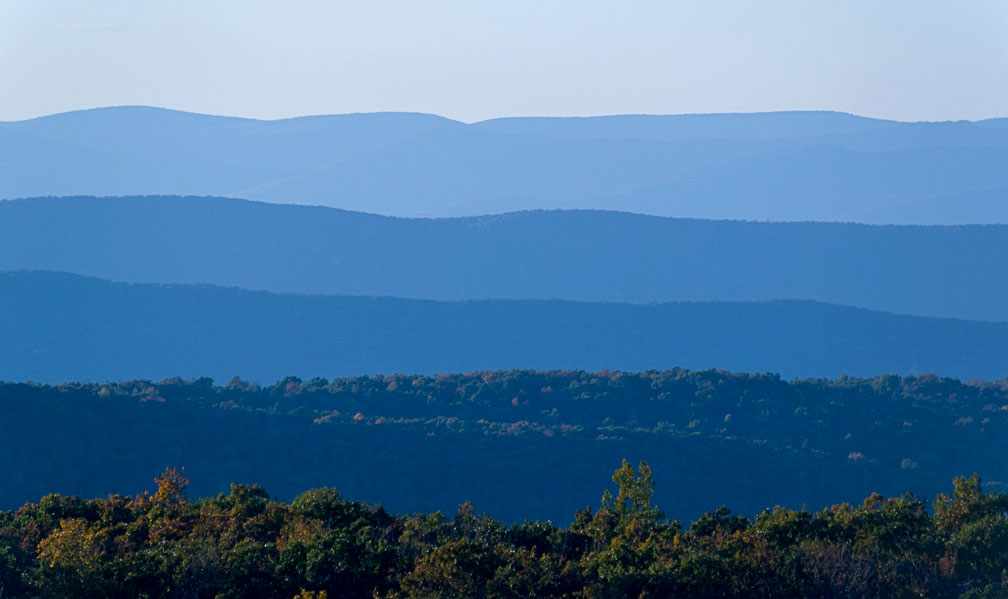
x=575 y=255
x=59 y=327
x=241 y=544
x=784 y=166
x=518 y=444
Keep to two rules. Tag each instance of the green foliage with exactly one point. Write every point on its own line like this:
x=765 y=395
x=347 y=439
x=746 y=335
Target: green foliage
x=320 y=546
x=513 y=441
x=974 y=526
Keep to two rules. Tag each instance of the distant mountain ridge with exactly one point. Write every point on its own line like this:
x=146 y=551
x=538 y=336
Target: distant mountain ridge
x=65 y=327
x=761 y=126
x=573 y=255
x=767 y=166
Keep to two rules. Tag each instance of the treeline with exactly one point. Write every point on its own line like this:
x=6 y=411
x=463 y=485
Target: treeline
x=244 y=545
x=518 y=444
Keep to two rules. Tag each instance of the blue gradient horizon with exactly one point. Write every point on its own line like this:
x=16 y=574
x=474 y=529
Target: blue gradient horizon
x=472 y=60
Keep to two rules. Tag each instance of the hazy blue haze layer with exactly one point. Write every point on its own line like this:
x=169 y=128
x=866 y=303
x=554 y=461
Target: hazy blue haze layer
x=769 y=166
x=64 y=327
x=574 y=255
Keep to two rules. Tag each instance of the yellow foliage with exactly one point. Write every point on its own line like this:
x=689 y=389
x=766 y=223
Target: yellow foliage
x=76 y=545
x=171 y=486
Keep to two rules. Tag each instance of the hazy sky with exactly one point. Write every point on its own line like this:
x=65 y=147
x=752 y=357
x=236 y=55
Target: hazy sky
x=474 y=59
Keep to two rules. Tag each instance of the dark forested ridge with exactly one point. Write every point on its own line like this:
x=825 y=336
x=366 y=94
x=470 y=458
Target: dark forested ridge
x=65 y=327
x=518 y=444
x=771 y=166
x=575 y=255
x=241 y=544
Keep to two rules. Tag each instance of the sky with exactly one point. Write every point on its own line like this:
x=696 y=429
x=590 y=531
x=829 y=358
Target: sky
x=478 y=59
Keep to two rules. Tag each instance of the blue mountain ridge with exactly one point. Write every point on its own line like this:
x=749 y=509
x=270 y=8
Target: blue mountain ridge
x=943 y=271
x=60 y=327
x=769 y=166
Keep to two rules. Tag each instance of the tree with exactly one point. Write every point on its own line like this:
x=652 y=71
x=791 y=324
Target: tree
x=70 y=559
x=458 y=569
x=172 y=484
x=634 y=545
x=635 y=488
x=975 y=527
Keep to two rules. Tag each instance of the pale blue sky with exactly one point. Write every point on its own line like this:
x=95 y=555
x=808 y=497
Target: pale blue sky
x=475 y=59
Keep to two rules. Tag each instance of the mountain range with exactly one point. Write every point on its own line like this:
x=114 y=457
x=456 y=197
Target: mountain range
x=769 y=166
x=587 y=256
x=65 y=327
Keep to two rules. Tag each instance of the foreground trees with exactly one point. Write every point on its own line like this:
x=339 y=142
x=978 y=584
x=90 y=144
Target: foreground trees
x=243 y=545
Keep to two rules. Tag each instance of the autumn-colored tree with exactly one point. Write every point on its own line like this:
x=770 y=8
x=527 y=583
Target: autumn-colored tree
x=172 y=484
x=71 y=559
x=321 y=546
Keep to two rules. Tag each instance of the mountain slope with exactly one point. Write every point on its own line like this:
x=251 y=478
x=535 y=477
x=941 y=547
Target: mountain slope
x=826 y=182
x=575 y=255
x=768 y=166
x=764 y=126
x=137 y=149
x=64 y=327
x=471 y=172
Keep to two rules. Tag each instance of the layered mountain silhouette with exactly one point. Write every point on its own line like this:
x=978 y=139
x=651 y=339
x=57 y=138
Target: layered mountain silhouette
x=66 y=327
x=588 y=256
x=772 y=166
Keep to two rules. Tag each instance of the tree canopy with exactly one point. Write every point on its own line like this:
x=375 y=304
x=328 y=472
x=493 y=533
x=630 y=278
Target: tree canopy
x=243 y=544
